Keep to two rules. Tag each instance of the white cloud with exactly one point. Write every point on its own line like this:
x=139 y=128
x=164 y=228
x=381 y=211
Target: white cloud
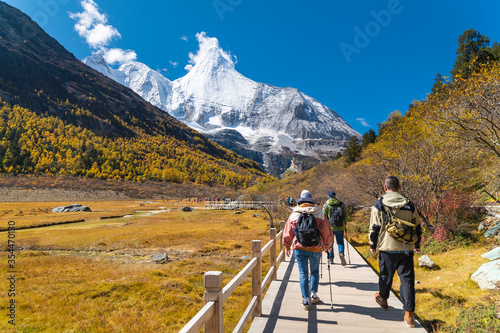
x=363 y=122
x=92 y=26
x=160 y=69
x=174 y=63
x=206 y=44
x=113 y=56
x=185 y=38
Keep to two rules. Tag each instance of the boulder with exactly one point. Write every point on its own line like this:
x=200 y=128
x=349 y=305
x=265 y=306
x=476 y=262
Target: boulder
x=426 y=261
x=186 y=209
x=493 y=254
x=71 y=208
x=488 y=275
x=492 y=231
x=160 y=258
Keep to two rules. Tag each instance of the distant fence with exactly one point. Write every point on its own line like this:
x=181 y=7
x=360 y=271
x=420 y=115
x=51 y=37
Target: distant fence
x=211 y=315
x=232 y=205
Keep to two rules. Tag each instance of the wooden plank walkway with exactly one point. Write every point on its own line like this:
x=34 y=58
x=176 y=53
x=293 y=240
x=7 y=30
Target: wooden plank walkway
x=354 y=307
x=233 y=205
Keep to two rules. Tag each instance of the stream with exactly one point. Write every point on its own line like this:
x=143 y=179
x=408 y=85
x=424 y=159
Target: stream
x=112 y=221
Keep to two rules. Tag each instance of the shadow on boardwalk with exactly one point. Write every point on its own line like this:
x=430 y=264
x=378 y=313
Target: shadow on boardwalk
x=354 y=308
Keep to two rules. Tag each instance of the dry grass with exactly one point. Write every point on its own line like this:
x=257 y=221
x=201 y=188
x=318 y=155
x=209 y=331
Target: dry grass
x=35 y=214
x=100 y=279
x=443 y=292
x=31 y=188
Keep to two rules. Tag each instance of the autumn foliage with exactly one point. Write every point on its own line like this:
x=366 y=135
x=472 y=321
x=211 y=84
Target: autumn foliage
x=34 y=144
x=440 y=149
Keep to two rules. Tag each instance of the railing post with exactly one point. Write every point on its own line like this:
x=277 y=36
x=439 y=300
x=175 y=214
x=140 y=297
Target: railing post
x=282 y=227
x=257 y=278
x=273 y=253
x=213 y=293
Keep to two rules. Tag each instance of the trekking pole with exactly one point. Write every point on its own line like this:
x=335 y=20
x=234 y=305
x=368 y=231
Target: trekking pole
x=348 y=253
x=321 y=264
x=330 y=280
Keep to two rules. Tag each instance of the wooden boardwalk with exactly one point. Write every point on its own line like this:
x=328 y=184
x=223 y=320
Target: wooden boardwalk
x=354 y=307
x=234 y=205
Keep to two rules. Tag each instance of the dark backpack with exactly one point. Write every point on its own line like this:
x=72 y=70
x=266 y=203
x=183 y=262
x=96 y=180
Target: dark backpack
x=337 y=217
x=307 y=231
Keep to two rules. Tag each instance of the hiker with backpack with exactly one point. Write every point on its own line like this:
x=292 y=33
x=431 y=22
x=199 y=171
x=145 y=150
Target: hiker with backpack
x=336 y=214
x=395 y=231
x=308 y=234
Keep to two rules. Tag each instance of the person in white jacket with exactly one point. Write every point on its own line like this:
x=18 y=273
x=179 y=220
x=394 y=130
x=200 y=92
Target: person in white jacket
x=394 y=254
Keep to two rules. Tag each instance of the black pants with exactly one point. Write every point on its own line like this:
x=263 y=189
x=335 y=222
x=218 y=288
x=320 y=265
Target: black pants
x=389 y=263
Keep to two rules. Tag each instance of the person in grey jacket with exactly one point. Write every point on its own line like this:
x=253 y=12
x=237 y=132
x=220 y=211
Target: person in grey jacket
x=394 y=254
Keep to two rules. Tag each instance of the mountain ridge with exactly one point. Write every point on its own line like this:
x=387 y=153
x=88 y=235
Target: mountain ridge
x=48 y=81
x=213 y=97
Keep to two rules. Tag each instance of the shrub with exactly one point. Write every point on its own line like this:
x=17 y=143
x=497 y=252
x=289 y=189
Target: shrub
x=458 y=216
x=479 y=318
x=433 y=246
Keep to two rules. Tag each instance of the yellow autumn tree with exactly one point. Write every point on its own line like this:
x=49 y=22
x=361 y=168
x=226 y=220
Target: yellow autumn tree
x=428 y=164
x=470 y=109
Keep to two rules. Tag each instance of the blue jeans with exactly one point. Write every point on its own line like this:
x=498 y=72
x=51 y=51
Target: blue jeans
x=339 y=236
x=303 y=259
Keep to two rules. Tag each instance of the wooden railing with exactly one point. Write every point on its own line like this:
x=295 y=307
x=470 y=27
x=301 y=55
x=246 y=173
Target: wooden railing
x=238 y=204
x=211 y=315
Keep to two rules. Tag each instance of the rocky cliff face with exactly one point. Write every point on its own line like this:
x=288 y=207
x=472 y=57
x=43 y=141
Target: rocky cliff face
x=259 y=121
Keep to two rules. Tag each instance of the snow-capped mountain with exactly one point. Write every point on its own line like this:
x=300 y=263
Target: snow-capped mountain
x=147 y=83
x=271 y=125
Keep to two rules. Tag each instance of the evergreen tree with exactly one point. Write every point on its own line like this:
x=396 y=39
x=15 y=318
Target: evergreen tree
x=439 y=83
x=353 y=150
x=495 y=50
x=368 y=137
x=472 y=51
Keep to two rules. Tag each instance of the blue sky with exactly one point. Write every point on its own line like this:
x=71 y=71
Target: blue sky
x=364 y=59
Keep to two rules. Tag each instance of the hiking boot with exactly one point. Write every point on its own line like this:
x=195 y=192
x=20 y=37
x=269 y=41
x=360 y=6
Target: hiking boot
x=305 y=306
x=342 y=259
x=381 y=301
x=409 y=319
x=315 y=299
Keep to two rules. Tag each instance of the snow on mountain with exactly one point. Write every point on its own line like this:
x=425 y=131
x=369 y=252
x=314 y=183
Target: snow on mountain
x=215 y=99
x=147 y=83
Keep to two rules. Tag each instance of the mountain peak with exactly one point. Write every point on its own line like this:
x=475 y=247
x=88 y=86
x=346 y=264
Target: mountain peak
x=97 y=62
x=214 y=98
x=217 y=58
x=97 y=58
x=211 y=61
x=62 y=97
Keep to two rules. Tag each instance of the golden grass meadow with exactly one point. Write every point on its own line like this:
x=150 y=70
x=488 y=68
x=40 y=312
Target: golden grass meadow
x=97 y=276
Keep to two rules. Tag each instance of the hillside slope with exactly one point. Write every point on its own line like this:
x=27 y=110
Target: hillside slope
x=51 y=85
